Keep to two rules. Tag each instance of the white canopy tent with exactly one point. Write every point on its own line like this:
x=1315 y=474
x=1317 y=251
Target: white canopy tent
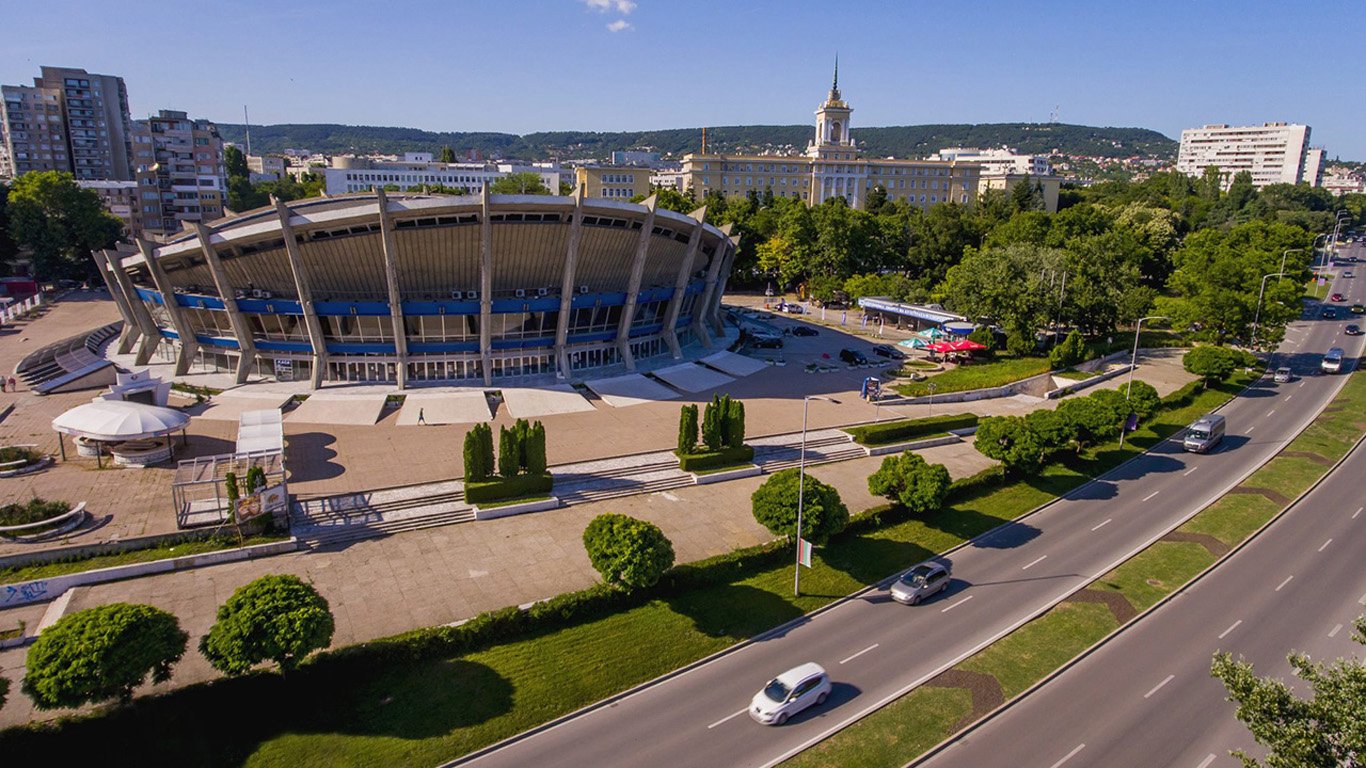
x=115 y=421
x=261 y=432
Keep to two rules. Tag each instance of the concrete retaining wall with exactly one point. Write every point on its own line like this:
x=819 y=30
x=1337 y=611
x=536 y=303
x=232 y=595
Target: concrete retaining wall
x=730 y=474
x=516 y=509
x=1084 y=383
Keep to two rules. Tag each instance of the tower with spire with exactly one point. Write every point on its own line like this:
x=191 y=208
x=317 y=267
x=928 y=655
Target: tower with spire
x=832 y=119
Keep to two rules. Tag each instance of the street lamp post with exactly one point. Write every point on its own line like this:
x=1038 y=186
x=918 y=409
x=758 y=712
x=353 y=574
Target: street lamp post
x=801 y=490
x=1133 y=363
x=1314 y=247
x=1287 y=252
x=1257 y=316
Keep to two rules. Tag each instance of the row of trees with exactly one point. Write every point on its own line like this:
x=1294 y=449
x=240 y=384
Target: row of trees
x=106 y=652
x=521 y=450
x=723 y=425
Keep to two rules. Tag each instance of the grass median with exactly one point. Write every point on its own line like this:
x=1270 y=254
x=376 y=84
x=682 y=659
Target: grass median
x=425 y=710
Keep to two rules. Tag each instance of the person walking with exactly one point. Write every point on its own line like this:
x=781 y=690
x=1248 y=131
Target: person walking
x=421 y=416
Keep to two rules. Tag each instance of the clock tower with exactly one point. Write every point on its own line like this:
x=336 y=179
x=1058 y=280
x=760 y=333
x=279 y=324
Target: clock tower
x=832 y=119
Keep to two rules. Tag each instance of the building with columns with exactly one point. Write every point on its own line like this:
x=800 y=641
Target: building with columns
x=410 y=288
x=833 y=166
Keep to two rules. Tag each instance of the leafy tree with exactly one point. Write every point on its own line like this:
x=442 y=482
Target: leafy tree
x=1054 y=432
x=59 y=223
x=983 y=335
x=525 y=183
x=277 y=618
x=1018 y=285
x=906 y=479
x=1326 y=729
x=102 y=653
x=1115 y=401
x=1143 y=399
x=687 y=428
x=775 y=507
x=447 y=155
x=1071 y=351
x=8 y=248
x=1011 y=441
x=1092 y=420
x=626 y=551
x=1210 y=363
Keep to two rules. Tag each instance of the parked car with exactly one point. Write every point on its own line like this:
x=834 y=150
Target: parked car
x=1283 y=375
x=887 y=350
x=1352 y=330
x=853 y=357
x=1329 y=313
x=805 y=330
x=789 y=693
x=1337 y=297
x=766 y=341
x=920 y=582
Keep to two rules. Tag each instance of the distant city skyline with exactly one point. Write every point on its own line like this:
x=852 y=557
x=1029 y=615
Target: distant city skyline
x=622 y=65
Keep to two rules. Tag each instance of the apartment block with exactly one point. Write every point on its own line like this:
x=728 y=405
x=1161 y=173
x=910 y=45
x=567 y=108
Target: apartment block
x=1274 y=153
x=181 y=175
x=121 y=199
x=613 y=182
x=68 y=120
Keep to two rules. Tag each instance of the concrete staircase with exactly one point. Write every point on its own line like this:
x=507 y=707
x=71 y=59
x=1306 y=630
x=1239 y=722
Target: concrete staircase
x=334 y=520
x=822 y=447
x=581 y=483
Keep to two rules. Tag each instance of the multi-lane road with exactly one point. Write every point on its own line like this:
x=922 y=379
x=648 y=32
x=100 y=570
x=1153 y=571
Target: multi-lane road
x=1147 y=697
x=876 y=649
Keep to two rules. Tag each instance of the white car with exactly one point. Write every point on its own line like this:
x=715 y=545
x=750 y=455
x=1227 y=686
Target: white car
x=789 y=693
x=1283 y=375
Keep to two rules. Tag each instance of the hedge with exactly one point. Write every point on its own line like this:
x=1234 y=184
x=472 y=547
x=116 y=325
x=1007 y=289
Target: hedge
x=902 y=431
x=501 y=488
x=726 y=457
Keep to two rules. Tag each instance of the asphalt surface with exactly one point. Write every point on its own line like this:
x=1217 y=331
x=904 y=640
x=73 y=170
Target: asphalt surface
x=876 y=649
x=1147 y=698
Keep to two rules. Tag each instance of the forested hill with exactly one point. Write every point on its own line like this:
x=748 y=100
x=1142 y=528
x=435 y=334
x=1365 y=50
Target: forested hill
x=898 y=141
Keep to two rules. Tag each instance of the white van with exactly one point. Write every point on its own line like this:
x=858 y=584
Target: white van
x=1332 y=362
x=1204 y=434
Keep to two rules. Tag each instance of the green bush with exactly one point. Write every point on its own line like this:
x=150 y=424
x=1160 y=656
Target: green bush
x=626 y=551
x=1071 y=351
x=726 y=457
x=1143 y=399
x=15 y=453
x=907 y=479
x=535 y=449
x=904 y=431
x=735 y=424
x=1092 y=419
x=1054 y=432
x=687 y=429
x=509 y=452
x=1011 y=441
x=500 y=488
x=478 y=452
x=775 y=507
x=983 y=335
x=34 y=510
x=277 y=618
x=1211 y=363
x=713 y=427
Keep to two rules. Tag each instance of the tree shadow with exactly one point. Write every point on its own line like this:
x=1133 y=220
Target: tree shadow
x=736 y=611
x=1009 y=536
x=1146 y=465
x=311 y=457
x=869 y=559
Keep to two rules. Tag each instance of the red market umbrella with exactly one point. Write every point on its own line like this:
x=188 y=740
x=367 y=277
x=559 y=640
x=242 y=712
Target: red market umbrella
x=965 y=345
x=940 y=346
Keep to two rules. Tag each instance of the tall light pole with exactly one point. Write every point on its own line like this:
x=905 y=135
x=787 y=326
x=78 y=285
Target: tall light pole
x=801 y=490
x=1133 y=363
x=1315 y=249
x=1257 y=316
x=1288 y=251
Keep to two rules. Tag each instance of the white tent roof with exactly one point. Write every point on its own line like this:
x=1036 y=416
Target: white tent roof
x=261 y=432
x=120 y=420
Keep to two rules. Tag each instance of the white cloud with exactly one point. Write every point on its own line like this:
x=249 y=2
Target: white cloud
x=620 y=6
x=619 y=25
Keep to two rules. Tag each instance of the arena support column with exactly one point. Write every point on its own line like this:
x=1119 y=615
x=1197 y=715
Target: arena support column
x=246 y=346
x=189 y=345
x=151 y=335
x=485 y=285
x=715 y=308
x=386 y=228
x=703 y=305
x=130 y=322
x=681 y=285
x=571 y=265
x=316 y=339
x=628 y=312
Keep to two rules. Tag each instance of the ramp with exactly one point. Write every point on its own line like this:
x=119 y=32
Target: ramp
x=445 y=408
x=733 y=364
x=633 y=389
x=321 y=408
x=691 y=377
x=530 y=402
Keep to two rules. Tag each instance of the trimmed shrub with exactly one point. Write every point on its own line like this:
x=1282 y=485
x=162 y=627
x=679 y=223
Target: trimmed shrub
x=509 y=452
x=1071 y=351
x=535 y=449
x=1143 y=399
x=906 y=479
x=16 y=453
x=697 y=462
x=277 y=618
x=1211 y=363
x=775 y=507
x=1092 y=420
x=1054 y=432
x=735 y=423
x=626 y=551
x=713 y=427
x=687 y=429
x=32 y=511
x=903 y=431
x=1011 y=441
x=102 y=653
x=502 y=488
x=475 y=469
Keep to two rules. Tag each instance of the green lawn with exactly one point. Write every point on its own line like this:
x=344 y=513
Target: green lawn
x=1233 y=518
x=1077 y=375
x=60 y=568
x=1023 y=657
x=977 y=376
x=1156 y=571
x=421 y=710
x=908 y=726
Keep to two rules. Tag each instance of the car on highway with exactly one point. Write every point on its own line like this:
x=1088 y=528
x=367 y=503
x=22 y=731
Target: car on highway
x=1348 y=273
x=1352 y=329
x=805 y=330
x=1337 y=297
x=1204 y=434
x=1358 y=309
x=887 y=350
x=791 y=692
x=853 y=357
x=1332 y=362
x=1283 y=375
x=1329 y=313
x=920 y=582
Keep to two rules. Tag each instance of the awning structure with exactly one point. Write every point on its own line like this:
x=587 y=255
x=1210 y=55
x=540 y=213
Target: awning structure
x=114 y=420
x=260 y=432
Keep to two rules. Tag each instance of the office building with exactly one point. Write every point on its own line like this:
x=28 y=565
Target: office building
x=416 y=170
x=180 y=172
x=1274 y=153
x=1000 y=161
x=613 y=182
x=68 y=120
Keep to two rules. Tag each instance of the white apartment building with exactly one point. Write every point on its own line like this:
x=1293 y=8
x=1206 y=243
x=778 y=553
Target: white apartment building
x=998 y=162
x=359 y=174
x=1313 y=167
x=1274 y=153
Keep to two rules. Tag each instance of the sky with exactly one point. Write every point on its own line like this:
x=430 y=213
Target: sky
x=519 y=66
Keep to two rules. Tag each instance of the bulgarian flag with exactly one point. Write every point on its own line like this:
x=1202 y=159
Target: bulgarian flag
x=804 y=552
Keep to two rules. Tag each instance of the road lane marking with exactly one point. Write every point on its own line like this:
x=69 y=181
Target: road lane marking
x=1325 y=545
x=1205 y=763
x=1187 y=472
x=1102 y=525
x=1149 y=496
x=1287 y=397
x=860 y=653
x=1231 y=627
x=1158 y=687
x=1283 y=583
x=1301 y=383
x=727 y=717
x=1270 y=412
x=1335 y=631
x=948 y=608
x=1034 y=563
x=1354 y=514
x=1248 y=431
x=1068 y=756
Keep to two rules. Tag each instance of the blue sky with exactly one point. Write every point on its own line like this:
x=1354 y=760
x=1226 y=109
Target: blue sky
x=528 y=65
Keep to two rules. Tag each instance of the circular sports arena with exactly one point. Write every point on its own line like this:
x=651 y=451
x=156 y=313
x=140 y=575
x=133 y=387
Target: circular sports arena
x=408 y=289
